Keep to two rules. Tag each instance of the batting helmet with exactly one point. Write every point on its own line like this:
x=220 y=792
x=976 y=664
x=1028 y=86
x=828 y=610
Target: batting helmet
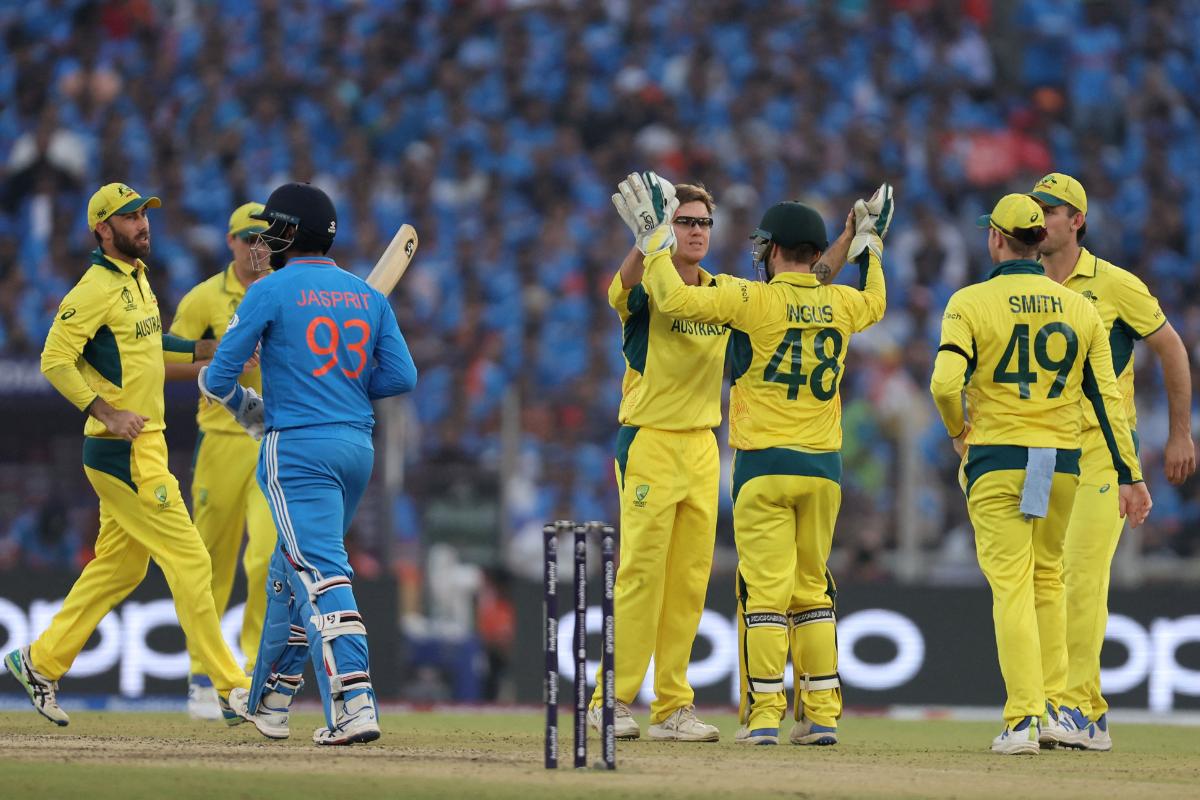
x=301 y=217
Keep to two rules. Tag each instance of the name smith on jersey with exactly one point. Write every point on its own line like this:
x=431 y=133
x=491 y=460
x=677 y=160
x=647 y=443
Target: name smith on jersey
x=1034 y=304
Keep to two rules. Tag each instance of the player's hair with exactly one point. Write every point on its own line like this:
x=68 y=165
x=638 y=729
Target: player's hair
x=689 y=192
x=1079 y=234
x=803 y=253
x=1024 y=241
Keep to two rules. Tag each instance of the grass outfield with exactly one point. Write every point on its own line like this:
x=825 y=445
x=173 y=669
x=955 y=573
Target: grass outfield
x=440 y=754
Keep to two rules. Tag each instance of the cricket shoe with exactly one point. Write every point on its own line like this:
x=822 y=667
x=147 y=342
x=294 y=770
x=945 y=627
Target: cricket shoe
x=41 y=690
x=684 y=726
x=1093 y=735
x=202 y=702
x=1059 y=730
x=356 y=723
x=1021 y=739
x=624 y=725
x=235 y=706
x=808 y=732
x=271 y=716
x=748 y=735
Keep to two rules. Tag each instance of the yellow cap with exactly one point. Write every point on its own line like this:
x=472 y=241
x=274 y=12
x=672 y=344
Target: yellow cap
x=116 y=198
x=241 y=223
x=1057 y=188
x=1012 y=212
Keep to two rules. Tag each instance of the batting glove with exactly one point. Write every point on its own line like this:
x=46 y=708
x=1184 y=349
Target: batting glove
x=647 y=204
x=872 y=218
x=244 y=403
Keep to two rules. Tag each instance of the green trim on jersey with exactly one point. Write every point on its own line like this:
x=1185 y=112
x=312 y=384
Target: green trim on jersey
x=625 y=438
x=751 y=464
x=985 y=458
x=739 y=352
x=177 y=344
x=636 y=335
x=110 y=456
x=1018 y=266
x=104 y=355
x=1092 y=392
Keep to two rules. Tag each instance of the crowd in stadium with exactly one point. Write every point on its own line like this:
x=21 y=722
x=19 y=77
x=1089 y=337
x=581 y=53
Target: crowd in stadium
x=499 y=129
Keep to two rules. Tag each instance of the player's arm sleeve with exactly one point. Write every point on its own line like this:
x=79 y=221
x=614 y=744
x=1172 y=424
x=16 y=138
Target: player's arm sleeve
x=626 y=301
x=870 y=301
x=1100 y=388
x=394 y=371
x=80 y=315
x=1137 y=308
x=956 y=356
x=726 y=300
x=255 y=313
x=178 y=350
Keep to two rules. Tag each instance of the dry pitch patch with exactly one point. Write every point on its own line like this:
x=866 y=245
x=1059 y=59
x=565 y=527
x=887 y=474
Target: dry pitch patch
x=128 y=756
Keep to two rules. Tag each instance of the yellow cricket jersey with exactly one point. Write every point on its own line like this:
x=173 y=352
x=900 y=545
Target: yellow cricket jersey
x=1129 y=312
x=787 y=349
x=204 y=313
x=107 y=341
x=1028 y=351
x=673 y=368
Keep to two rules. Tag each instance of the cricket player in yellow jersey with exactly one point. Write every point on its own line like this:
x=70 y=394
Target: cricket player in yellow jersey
x=1027 y=352
x=787 y=350
x=105 y=354
x=1129 y=313
x=668 y=472
x=226 y=498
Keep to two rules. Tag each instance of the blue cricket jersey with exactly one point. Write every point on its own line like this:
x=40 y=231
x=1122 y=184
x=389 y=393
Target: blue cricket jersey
x=330 y=345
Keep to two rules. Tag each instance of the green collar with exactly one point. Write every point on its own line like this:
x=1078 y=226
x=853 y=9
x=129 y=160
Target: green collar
x=1018 y=266
x=114 y=264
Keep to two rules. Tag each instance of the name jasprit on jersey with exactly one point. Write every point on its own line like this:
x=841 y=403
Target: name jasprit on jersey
x=1034 y=303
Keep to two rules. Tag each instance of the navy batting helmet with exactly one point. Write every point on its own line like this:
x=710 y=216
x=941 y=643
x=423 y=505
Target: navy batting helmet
x=301 y=217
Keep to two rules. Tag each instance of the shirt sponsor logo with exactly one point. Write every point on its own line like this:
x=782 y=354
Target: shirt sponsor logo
x=70 y=312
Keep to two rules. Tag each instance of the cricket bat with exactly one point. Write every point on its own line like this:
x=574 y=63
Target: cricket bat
x=395 y=260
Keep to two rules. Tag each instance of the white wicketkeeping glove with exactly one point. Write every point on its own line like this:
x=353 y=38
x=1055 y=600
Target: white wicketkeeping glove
x=244 y=403
x=872 y=218
x=647 y=204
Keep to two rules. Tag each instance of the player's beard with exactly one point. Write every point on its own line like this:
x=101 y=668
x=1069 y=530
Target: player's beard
x=131 y=247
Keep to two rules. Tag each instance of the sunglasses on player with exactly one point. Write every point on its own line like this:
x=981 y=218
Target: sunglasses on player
x=694 y=222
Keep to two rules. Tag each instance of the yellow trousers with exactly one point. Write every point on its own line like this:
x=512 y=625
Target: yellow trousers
x=226 y=501
x=142 y=516
x=668 y=484
x=785 y=508
x=1022 y=561
x=1092 y=537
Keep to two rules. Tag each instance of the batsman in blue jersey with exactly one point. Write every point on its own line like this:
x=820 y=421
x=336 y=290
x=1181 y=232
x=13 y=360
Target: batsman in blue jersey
x=329 y=346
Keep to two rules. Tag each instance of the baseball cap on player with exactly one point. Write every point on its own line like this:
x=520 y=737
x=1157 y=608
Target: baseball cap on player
x=242 y=224
x=1057 y=188
x=116 y=198
x=1016 y=212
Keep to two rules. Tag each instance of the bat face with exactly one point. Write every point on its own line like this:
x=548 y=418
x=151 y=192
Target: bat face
x=395 y=260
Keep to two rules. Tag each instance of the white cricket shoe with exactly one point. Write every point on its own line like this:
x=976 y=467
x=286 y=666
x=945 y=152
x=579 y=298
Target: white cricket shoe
x=271 y=716
x=235 y=706
x=684 y=726
x=1058 y=730
x=756 y=736
x=1092 y=735
x=357 y=722
x=807 y=732
x=624 y=725
x=1021 y=739
x=202 y=702
x=41 y=690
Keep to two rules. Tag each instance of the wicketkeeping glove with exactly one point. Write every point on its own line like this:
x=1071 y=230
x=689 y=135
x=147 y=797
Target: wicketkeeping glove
x=872 y=218
x=244 y=403
x=647 y=204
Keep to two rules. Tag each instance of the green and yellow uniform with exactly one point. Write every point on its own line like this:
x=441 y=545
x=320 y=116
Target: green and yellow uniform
x=668 y=474
x=1129 y=312
x=1028 y=351
x=226 y=498
x=787 y=353
x=107 y=341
